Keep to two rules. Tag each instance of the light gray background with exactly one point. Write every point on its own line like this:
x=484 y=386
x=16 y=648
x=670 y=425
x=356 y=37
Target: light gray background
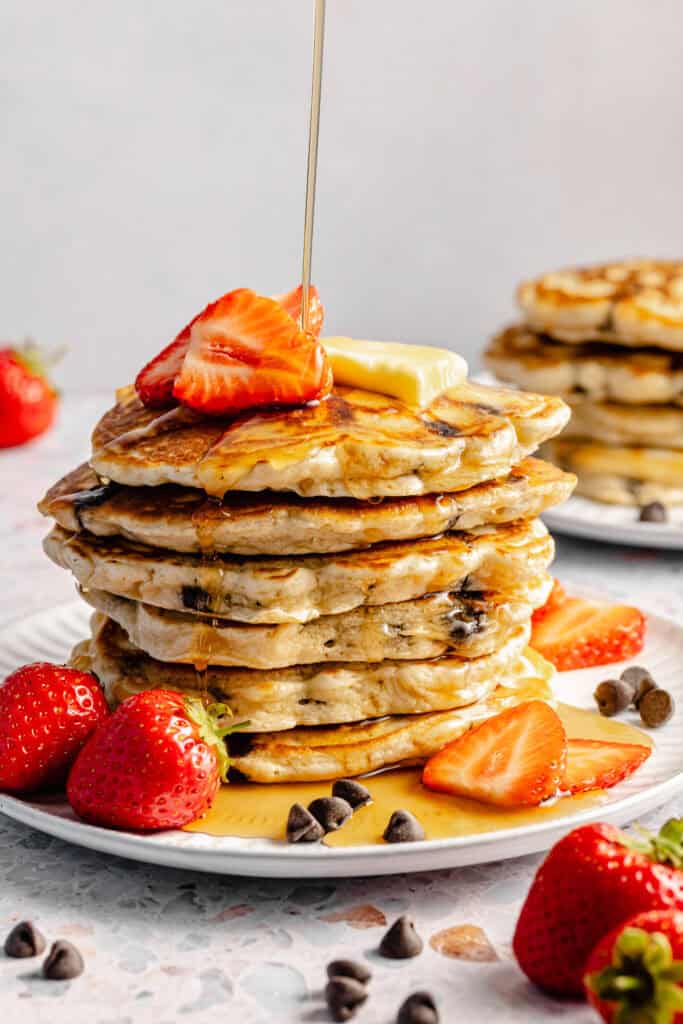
x=153 y=156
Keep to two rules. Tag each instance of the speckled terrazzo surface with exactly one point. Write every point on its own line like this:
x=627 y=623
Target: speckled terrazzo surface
x=163 y=946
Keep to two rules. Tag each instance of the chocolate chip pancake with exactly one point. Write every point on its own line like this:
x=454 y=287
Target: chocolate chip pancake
x=631 y=303
x=303 y=695
x=343 y=751
x=185 y=520
x=302 y=588
x=468 y=625
x=355 y=443
x=621 y=475
x=598 y=371
x=652 y=426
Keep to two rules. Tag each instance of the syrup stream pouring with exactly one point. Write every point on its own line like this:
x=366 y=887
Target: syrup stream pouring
x=314 y=125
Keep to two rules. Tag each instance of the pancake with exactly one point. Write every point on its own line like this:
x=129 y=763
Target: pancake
x=601 y=372
x=653 y=426
x=631 y=303
x=185 y=520
x=308 y=755
x=621 y=475
x=355 y=444
x=302 y=588
x=466 y=625
x=305 y=695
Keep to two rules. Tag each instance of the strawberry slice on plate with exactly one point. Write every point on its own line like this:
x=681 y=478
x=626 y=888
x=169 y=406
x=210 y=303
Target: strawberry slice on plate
x=515 y=759
x=557 y=597
x=154 y=384
x=593 y=764
x=246 y=352
x=580 y=633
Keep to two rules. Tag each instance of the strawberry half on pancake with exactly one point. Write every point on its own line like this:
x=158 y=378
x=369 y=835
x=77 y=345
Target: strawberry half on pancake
x=244 y=350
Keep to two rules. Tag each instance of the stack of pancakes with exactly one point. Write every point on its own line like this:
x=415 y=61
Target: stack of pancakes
x=609 y=340
x=354 y=579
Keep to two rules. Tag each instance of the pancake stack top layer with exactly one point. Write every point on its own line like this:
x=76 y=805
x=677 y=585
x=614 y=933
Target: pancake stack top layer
x=609 y=340
x=354 y=578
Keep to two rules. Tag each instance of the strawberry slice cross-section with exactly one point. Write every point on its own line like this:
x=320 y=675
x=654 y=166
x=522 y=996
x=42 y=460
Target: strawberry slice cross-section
x=155 y=383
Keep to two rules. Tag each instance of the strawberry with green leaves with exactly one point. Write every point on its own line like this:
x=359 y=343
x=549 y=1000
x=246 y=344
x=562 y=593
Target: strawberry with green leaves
x=635 y=973
x=156 y=763
x=592 y=880
x=28 y=402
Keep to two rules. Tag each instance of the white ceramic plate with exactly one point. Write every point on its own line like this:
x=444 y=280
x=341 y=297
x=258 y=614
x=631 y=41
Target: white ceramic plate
x=50 y=635
x=616 y=524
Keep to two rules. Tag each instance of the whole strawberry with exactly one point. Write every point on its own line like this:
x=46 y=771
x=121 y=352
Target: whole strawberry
x=28 y=402
x=156 y=763
x=635 y=973
x=590 y=881
x=47 y=712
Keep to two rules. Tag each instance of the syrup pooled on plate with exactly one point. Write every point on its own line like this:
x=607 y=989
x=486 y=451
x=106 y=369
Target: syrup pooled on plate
x=248 y=810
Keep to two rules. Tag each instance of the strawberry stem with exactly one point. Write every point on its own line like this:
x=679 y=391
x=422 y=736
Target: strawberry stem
x=643 y=979
x=213 y=729
x=666 y=847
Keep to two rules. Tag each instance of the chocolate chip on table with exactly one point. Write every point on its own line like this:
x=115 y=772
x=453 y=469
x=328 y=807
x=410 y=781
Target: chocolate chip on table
x=344 y=996
x=401 y=942
x=63 y=962
x=331 y=812
x=349 y=969
x=403 y=827
x=641 y=681
x=24 y=940
x=351 y=791
x=419 y=1008
x=656 y=708
x=655 y=512
x=302 y=827
x=613 y=696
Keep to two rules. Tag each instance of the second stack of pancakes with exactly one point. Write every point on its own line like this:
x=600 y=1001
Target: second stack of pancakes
x=354 y=579
x=609 y=340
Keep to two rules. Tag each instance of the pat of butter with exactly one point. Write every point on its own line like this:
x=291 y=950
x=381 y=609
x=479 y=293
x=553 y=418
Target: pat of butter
x=415 y=374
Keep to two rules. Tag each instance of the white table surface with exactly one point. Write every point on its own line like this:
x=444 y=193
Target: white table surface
x=163 y=946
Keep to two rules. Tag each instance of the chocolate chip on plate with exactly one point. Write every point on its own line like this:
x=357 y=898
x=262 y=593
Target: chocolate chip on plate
x=419 y=1008
x=349 y=969
x=302 y=827
x=24 y=940
x=403 y=827
x=656 y=707
x=63 y=962
x=401 y=942
x=655 y=512
x=613 y=696
x=640 y=679
x=343 y=997
x=331 y=812
x=351 y=791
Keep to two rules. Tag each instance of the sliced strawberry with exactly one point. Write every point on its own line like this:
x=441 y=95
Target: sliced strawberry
x=557 y=597
x=246 y=352
x=292 y=303
x=514 y=759
x=154 y=383
x=592 y=764
x=581 y=633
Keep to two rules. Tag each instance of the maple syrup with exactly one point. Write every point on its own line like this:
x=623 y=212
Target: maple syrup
x=250 y=810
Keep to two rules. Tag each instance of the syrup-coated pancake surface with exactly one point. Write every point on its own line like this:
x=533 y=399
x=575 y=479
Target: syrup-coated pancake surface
x=633 y=303
x=601 y=372
x=184 y=519
x=353 y=444
x=621 y=475
x=301 y=588
x=303 y=695
x=462 y=624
